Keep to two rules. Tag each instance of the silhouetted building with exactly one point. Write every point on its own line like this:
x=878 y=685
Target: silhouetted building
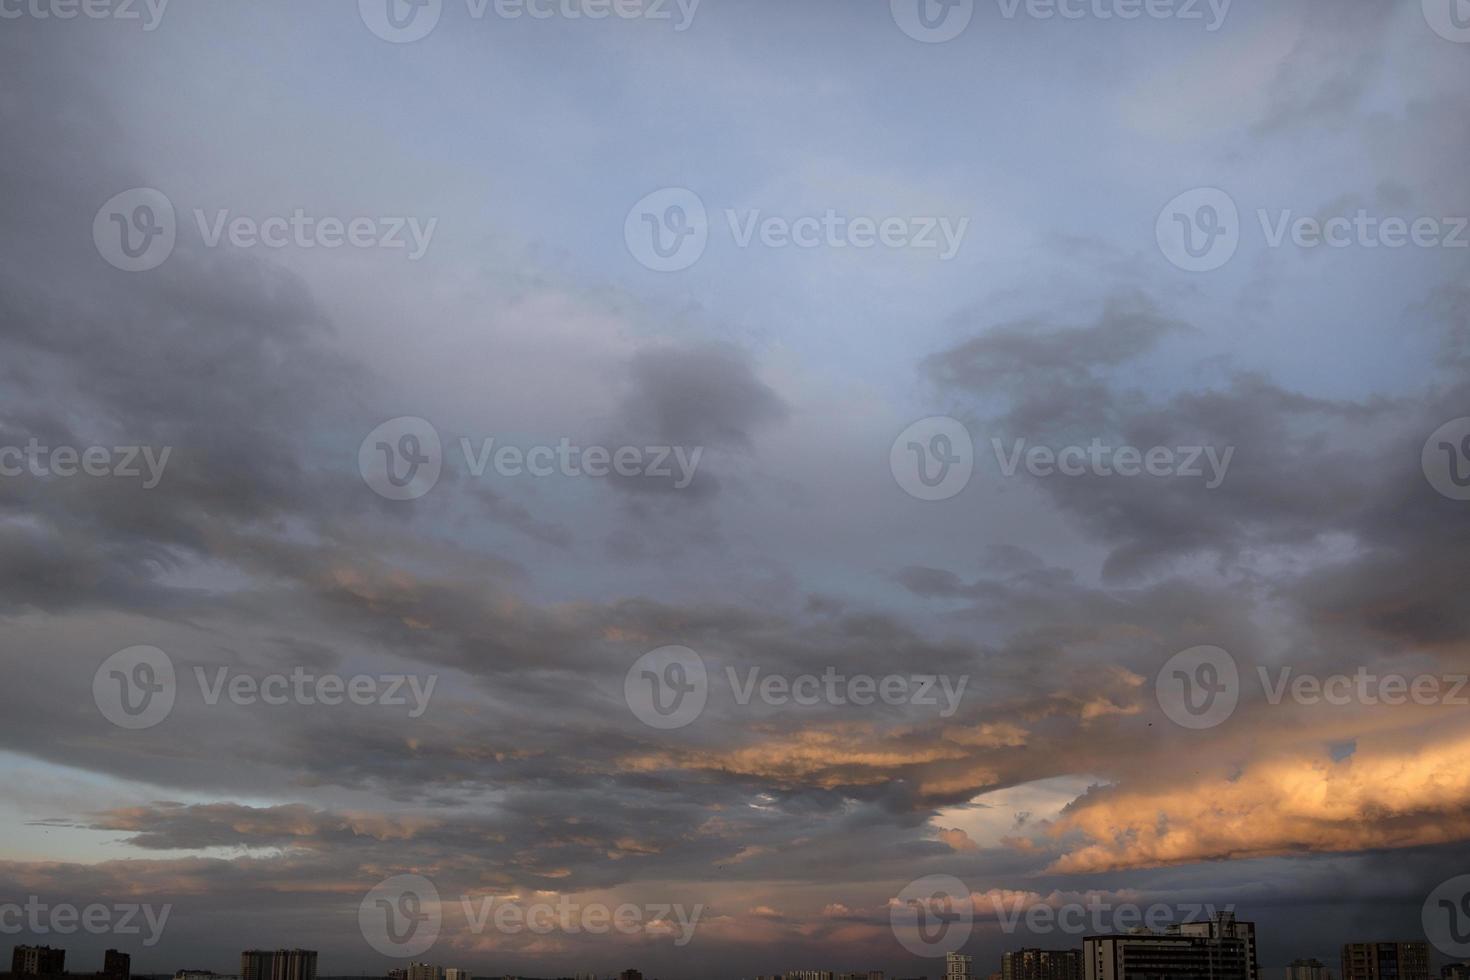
x=1041 y=964
x=31 y=961
x=956 y=966
x=1309 y=969
x=630 y=975
x=278 y=964
x=1385 y=961
x=116 y=964
x=1455 y=971
x=423 y=971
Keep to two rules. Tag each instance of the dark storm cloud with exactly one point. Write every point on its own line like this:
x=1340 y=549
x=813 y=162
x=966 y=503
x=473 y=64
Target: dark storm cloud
x=701 y=396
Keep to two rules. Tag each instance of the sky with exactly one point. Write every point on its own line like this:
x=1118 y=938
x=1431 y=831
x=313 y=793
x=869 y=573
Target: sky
x=745 y=464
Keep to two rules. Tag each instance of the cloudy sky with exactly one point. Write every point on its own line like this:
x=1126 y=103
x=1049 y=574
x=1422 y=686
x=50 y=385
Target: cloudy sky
x=1081 y=378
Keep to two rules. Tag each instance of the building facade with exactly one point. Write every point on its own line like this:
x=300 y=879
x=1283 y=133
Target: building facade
x=116 y=964
x=1385 y=961
x=1041 y=964
x=957 y=966
x=278 y=964
x=1154 y=957
x=37 y=961
x=1225 y=926
x=1309 y=969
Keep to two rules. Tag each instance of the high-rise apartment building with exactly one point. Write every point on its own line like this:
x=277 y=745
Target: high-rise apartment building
x=957 y=966
x=36 y=961
x=1455 y=971
x=1385 y=961
x=116 y=964
x=630 y=975
x=1041 y=964
x=1225 y=926
x=278 y=964
x=455 y=973
x=1308 y=969
x=424 y=971
x=1219 y=949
